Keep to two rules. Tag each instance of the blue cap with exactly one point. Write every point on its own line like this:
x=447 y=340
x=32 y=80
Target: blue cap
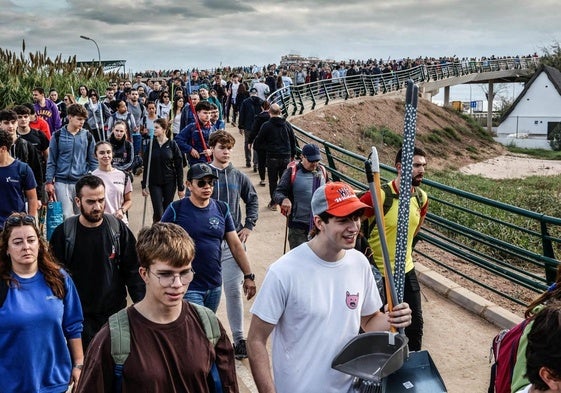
x=311 y=152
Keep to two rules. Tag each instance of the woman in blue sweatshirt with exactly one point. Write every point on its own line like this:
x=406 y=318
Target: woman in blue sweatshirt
x=40 y=314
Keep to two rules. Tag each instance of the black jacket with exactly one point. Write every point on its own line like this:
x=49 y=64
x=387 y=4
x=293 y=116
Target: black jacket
x=258 y=121
x=276 y=137
x=250 y=107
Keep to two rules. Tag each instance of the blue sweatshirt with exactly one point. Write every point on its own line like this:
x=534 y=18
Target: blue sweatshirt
x=34 y=327
x=70 y=156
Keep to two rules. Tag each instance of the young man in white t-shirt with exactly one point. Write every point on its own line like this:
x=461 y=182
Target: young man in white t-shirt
x=314 y=300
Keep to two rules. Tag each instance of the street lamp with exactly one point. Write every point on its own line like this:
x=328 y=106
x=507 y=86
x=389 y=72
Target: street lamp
x=92 y=40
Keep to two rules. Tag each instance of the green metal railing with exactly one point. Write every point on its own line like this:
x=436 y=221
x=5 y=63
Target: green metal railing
x=529 y=263
x=296 y=100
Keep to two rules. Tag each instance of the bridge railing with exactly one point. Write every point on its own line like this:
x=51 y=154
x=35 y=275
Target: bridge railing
x=475 y=245
x=299 y=99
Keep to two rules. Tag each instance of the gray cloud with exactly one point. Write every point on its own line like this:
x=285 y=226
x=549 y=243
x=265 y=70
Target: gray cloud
x=205 y=33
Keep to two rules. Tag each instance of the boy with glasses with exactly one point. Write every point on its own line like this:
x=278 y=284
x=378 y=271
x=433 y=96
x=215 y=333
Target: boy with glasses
x=169 y=350
x=209 y=222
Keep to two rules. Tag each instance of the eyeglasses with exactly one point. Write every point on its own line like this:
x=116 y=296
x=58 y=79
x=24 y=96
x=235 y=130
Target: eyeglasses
x=18 y=219
x=166 y=96
x=166 y=279
x=201 y=183
x=66 y=99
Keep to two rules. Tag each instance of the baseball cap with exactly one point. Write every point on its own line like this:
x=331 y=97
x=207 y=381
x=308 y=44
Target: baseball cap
x=311 y=152
x=198 y=171
x=337 y=199
x=253 y=90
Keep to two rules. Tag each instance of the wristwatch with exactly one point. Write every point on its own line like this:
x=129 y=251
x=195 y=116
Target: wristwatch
x=249 y=276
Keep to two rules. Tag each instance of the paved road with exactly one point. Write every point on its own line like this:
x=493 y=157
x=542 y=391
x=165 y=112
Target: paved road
x=457 y=340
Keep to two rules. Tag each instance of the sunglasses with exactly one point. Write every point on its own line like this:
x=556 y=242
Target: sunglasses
x=202 y=183
x=18 y=220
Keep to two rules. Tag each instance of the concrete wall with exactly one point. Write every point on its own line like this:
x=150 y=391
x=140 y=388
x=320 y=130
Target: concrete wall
x=524 y=143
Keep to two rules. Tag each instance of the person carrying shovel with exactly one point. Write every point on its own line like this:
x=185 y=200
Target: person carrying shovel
x=417 y=213
x=314 y=299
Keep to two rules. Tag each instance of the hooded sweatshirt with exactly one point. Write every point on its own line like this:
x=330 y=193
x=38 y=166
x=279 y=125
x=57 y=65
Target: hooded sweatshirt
x=231 y=186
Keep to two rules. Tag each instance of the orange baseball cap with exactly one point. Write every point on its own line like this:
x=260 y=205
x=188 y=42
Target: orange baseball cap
x=337 y=199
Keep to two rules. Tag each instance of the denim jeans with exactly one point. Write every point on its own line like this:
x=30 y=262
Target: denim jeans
x=136 y=142
x=209 y=298
x=232 y=280
x=65 y=193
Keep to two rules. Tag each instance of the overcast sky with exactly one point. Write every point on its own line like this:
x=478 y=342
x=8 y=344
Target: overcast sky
x=163 y=34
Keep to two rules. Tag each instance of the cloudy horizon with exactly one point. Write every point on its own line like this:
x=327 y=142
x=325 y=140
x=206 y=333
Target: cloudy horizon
x=167 y=34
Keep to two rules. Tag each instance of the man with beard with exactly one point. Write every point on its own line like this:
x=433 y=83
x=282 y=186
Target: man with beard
x=99 y=252
x=417 y=212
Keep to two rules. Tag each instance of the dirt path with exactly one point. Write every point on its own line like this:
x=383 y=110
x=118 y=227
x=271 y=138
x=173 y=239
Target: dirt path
x=513 y=166
x=457 y=340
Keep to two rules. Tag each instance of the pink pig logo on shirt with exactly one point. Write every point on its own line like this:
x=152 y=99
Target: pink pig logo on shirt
x=352 y=301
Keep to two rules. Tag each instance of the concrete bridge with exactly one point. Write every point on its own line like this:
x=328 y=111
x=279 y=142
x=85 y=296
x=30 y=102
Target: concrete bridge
x=430 y=78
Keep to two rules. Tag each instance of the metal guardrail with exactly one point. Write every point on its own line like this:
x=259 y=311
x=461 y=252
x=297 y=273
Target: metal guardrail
x=298 y=99
x=529 y=263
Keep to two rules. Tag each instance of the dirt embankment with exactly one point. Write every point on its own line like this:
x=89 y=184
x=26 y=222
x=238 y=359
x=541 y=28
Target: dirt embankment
x=449 y=140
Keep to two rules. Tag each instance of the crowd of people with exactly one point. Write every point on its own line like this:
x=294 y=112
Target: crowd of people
x=63 y=303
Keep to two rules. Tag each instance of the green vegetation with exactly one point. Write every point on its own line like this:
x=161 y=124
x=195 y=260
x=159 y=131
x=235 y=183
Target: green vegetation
x=537 y=153
x=539 y=194
x=383 y=136
x=19 y=74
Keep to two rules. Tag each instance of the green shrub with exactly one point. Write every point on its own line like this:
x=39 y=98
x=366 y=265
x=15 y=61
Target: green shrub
x=19 y=74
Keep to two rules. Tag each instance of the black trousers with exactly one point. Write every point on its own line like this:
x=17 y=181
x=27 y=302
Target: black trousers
x=412 y=296
x=161 y=196
x=275 y=169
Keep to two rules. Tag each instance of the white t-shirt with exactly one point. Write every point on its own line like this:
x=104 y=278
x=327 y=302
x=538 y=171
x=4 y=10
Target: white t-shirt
x=316 y=307
x=116 y=186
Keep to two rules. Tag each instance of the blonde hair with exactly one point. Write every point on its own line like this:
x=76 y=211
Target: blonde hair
x=165 y=242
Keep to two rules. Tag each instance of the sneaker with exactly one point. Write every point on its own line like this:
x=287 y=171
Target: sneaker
x=247 y=165
x=255 y=168
x=262 y=183
x=240 y=350
x=272 y=206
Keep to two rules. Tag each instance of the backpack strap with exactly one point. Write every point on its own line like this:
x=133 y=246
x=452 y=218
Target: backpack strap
x=119 y=330
x=69 y=227
x=209 y=322
x=212 y=330
x=115 y=233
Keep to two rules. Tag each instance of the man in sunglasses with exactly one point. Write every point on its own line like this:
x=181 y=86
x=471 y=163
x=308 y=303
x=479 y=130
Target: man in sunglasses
x=208 y=222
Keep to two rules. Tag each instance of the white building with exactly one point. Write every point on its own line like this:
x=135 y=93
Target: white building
x=534 y=113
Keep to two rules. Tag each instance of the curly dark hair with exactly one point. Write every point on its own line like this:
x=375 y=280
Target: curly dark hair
x=45 y=260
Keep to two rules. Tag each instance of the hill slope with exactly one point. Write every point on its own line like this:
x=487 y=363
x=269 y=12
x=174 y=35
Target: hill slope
x=450 y=140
